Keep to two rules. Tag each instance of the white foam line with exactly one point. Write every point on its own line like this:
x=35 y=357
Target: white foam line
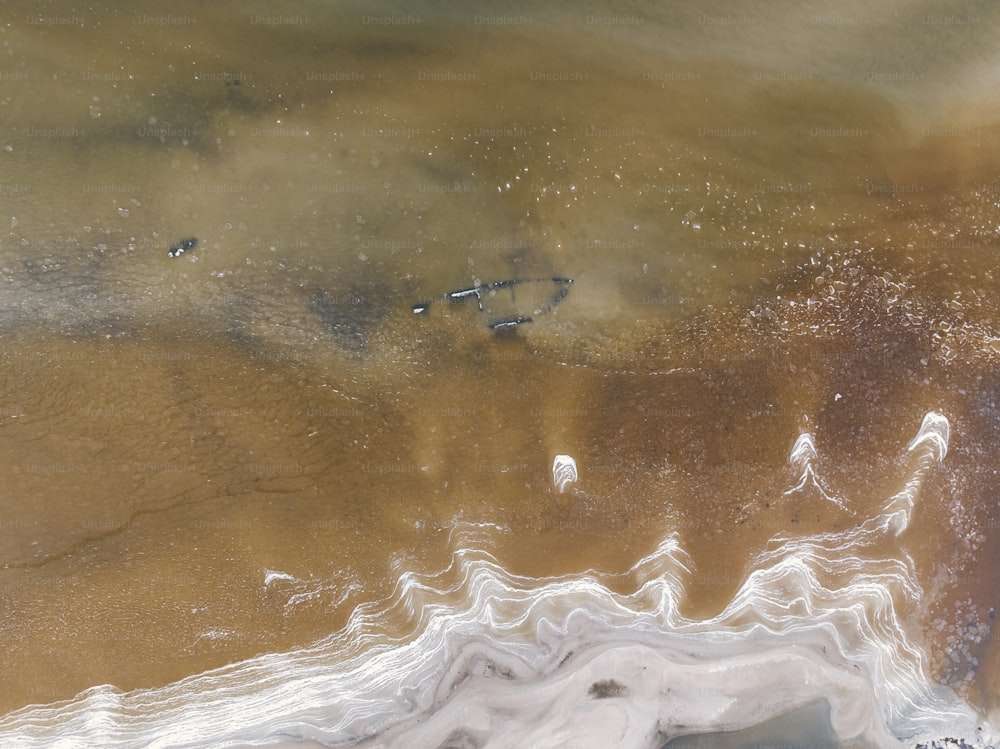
x=927 y=448
x=497 y=659
x=857 y=605
x=271 y=576
x=802 y=457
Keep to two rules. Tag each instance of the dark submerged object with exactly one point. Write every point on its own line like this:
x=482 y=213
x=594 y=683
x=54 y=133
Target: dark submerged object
x=350 y=314
x=484 y=295
x=178 y=249
x=508 y=323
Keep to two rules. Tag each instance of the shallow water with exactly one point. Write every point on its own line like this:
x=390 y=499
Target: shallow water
x=249 y=496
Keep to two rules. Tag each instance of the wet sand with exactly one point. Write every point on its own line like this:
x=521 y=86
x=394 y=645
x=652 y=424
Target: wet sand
x=230 y=453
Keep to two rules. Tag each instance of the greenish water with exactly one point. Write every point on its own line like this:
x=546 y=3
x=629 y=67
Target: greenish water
x=807 y=727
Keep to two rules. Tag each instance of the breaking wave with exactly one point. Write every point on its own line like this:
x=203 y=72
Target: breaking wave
x=492 y=659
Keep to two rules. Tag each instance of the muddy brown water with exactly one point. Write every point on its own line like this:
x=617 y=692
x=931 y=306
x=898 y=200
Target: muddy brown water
x=761 y=242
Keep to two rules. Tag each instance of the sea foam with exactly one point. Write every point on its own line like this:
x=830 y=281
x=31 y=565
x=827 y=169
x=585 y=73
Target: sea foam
x=498 y=660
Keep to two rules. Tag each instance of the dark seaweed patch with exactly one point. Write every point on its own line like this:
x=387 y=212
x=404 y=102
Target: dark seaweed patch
x=602 y=690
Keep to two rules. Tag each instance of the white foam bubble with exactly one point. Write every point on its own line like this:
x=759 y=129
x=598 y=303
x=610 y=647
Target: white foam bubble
x=564 y=472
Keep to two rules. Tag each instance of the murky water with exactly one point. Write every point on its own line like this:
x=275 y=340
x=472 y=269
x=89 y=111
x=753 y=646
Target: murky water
x=250 y=496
